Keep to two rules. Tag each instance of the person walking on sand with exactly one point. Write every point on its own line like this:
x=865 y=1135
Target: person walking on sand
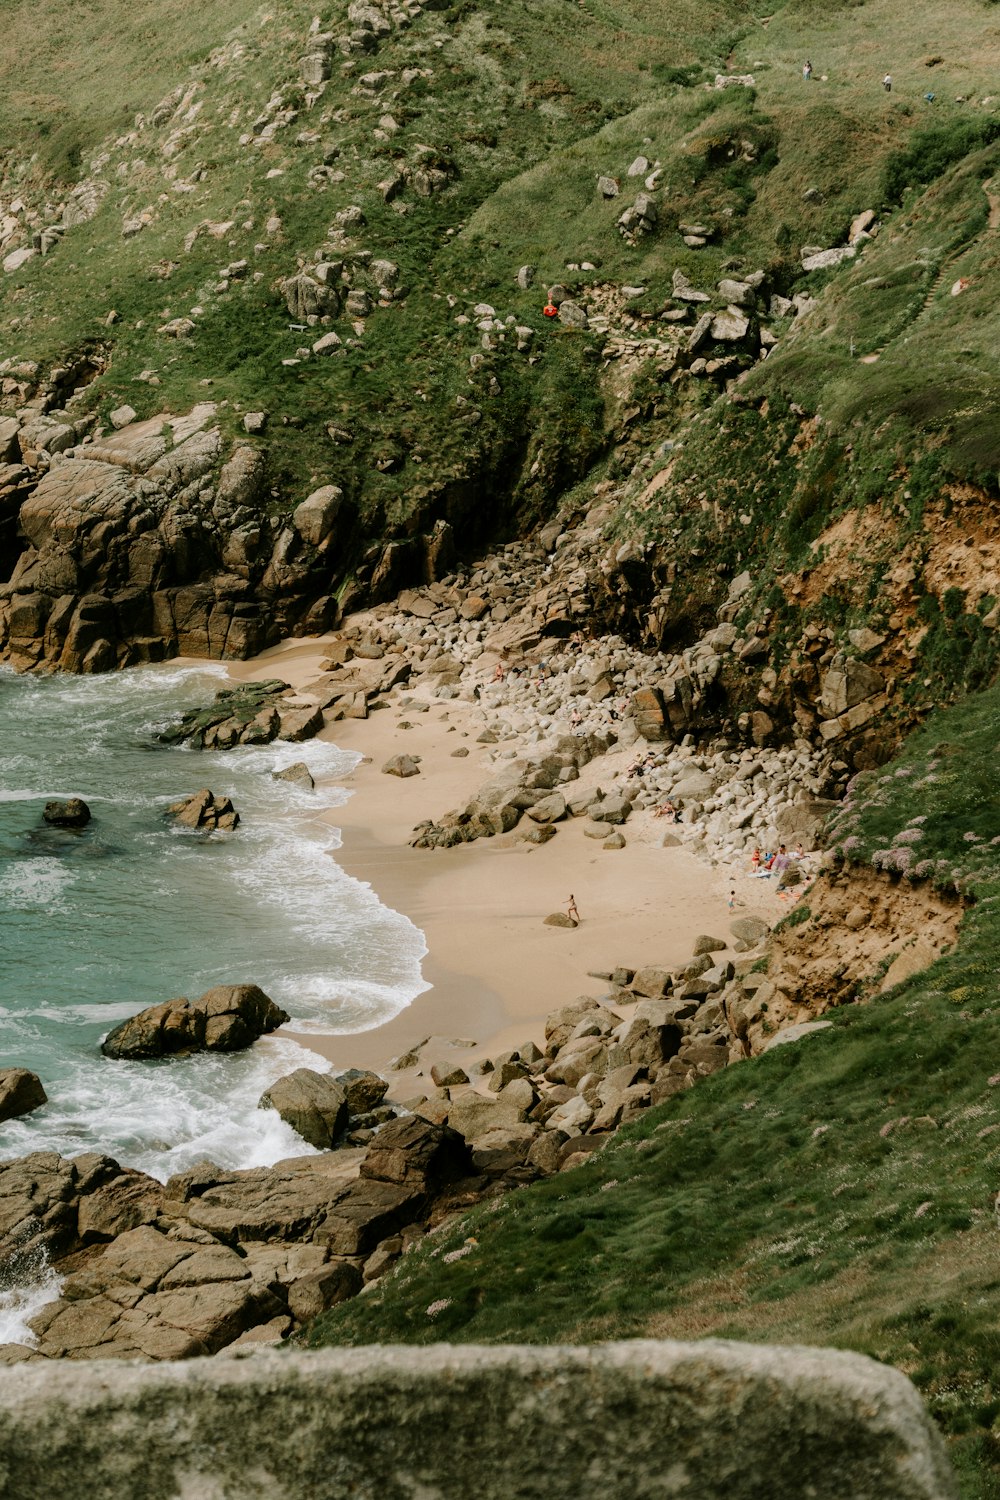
x=571 y=911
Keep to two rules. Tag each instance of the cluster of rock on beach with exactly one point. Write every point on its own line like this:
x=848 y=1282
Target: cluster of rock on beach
x=566 y=728
x=215 y=1258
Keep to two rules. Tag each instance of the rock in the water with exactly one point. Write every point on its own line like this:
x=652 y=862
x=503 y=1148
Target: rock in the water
x=203 y=810
x=313 y=1104
x=249 y=714
x=401 y=765
x=302 y=723
x=20 y=1093
x=299 y=775
x=73 y=813
x=227 y=1018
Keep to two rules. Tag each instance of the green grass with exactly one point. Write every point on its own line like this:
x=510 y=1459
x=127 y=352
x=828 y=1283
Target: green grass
x=839 y=1191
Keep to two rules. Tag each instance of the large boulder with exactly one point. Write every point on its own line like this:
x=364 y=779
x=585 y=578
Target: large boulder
x=228 y=1018
x=416 y=1153
x=313 y=1104
x=365 y=1090
x=71 y=813
x=20 y=1093
x=315 y=517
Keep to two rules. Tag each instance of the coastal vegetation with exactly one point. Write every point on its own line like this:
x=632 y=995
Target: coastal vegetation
x=839 y=1190
x=763 y=390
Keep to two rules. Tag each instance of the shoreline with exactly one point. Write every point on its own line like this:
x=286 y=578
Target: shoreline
x=495 y=971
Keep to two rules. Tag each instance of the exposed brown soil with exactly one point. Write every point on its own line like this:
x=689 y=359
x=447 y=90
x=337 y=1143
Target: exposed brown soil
x=866 y=931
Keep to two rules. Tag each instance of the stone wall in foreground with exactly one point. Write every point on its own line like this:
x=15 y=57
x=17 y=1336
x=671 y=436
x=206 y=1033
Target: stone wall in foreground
x=633 y=1421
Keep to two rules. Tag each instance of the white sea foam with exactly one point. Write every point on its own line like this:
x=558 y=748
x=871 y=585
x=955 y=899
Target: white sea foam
x=19 y=1304
x=34 y=883
x=136 y=911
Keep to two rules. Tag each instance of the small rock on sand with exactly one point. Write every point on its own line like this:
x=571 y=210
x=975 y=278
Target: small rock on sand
x=401 y=765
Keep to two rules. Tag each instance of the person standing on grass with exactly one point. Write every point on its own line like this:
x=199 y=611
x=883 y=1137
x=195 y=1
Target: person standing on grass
x=887 y=83
x=807 y=70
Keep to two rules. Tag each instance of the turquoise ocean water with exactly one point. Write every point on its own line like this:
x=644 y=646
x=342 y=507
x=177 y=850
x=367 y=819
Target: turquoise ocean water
x=131 y=911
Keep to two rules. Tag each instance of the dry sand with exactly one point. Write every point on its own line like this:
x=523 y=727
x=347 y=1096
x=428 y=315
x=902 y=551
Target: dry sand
x=494 y=969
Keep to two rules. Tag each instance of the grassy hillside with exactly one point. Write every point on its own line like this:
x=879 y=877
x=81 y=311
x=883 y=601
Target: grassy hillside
x=837 y=1191
x=841 y=1190
x=521 y=114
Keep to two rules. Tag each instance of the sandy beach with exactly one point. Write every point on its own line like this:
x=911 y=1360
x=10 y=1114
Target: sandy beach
x=494 y=969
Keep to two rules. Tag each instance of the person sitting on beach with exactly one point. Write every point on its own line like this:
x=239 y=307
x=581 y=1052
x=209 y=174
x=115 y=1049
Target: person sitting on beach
x=779 y=861
x=666 y=810
x=575 y=719
x=755 y=861
x=499 y=673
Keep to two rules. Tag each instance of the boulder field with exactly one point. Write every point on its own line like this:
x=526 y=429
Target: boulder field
x=213 y=1257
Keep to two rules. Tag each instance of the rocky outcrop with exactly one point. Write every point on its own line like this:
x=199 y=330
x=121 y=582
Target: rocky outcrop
x=51 y=1207
x=20 y=1092
x=203 y=810
x=227 y=1018
x=255 y=713
x=147 y=542
x=856 y=932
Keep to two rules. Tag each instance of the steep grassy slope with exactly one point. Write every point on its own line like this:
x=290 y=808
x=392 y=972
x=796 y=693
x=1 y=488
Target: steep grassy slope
x=839 y=1190
x=519 y=113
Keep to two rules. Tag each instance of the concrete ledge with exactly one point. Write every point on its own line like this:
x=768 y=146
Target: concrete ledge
x=630 y=1421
